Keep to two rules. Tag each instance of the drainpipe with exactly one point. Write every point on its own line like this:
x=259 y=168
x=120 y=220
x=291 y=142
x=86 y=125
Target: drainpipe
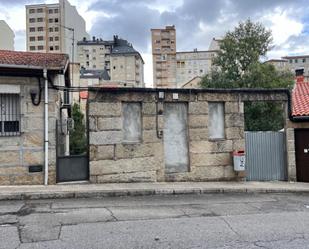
x=46 y=127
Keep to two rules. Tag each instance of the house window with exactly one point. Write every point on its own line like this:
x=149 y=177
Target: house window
x=216 y=120
x=56 y=47
x=56 y=11
x=56 y=20
x=51 y=29
x=40 y=10
x=40 y=47
x=132 y=122
x=304 y=60
x=56 y=38
x=32 y=48
x=40 y=29
x=291 y=61
x=31 y=29
x=51 y=48
x=296 y=61
x=40 y=19
x=31 y=11
x=32 y=20
x=51 y=38
x=9 y=114
x=32 y=38
x=40 y=38
x=50 y=20
x=56 y=29
x=50 y=11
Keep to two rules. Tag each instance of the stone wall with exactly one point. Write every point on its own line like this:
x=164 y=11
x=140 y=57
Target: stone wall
x=112 y=160
x=19 y=152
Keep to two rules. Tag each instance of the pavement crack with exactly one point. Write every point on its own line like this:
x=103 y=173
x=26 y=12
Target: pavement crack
x=229 y=226
x=112 y=214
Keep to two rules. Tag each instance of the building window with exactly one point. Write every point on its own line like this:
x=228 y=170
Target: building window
x=32 y=20
x=114 y=67
x=40 y=47
x=31 y=11
x=50 y=11
x=56 y=29
x=216 y=120
x=296 y=61
x=50 y=20
x=56 y=11
x=291 y=61
x=40 y=29
x=51 y=38
x=56 y=20
x=9 y=114
x=31 y=38
x=132 y=122
x=56 y=47
x=87 y=63
x=31 y=29
x=56 y=38
x=51 y=48
x=51 y=29
x=40 y=19
x=39 y=10
x=32 y=48
x=40 y=38
x=304 y=60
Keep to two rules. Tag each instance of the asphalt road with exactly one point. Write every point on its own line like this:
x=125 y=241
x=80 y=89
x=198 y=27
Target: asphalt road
x=186 y=221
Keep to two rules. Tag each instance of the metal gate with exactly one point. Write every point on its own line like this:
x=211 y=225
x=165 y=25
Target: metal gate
x=69 y=167
x=265 y=156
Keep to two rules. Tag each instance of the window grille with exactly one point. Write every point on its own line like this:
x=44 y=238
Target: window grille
x=9 y=115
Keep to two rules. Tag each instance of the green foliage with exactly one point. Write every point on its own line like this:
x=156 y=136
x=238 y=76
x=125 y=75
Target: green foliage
x=78 y=141
x=238 y=65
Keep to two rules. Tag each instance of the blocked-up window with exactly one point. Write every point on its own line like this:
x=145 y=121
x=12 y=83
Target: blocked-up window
x=9 y=114
x=216 y=120
x=132 y=122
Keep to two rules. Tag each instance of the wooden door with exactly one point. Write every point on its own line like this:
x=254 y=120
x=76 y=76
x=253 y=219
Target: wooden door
x=302 y=154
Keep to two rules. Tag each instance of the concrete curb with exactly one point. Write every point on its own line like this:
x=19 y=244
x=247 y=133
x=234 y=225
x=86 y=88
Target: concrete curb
x=144 y=189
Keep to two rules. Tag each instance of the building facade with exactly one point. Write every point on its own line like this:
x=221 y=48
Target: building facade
x=118 y=58
x=164 y=56
x=192 y=64
x=279 y=64
x=6 y=36
x=54 y=28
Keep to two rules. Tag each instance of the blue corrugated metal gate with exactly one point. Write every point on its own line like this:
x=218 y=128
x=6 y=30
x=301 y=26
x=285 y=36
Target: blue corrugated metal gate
x=265 y=156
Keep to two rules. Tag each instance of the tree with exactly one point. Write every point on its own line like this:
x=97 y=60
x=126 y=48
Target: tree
x=78 y=142
x=238 y=65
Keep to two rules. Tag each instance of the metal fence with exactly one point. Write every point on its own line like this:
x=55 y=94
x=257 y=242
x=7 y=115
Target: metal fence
x=265 y=156
x=9 y=114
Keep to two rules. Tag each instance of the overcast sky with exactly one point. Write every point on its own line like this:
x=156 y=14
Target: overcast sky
x=196 y=21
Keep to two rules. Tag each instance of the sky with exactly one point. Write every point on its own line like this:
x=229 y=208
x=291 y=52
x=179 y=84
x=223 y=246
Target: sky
x=196 y=22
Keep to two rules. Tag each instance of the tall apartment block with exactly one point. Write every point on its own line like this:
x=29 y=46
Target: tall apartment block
x=6 y=36
x=53 y=28
x=164 y=56
x=117 y=57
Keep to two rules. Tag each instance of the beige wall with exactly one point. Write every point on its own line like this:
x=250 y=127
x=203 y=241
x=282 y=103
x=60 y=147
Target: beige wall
x=6 y=36
x=17 y=153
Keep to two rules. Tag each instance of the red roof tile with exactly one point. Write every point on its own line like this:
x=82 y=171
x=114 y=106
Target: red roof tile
x=300 y=99
x=33 y=59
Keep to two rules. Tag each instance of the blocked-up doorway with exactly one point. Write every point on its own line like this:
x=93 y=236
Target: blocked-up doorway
x=176 y=137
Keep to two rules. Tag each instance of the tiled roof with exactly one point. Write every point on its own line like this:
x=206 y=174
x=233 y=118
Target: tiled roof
x=300 y=99
x=33 y=59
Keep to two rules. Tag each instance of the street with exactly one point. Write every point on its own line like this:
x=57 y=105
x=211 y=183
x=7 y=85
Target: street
x=183 y=221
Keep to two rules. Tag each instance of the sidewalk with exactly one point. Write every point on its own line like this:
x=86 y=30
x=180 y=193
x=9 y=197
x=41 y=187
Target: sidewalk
x=134 y=189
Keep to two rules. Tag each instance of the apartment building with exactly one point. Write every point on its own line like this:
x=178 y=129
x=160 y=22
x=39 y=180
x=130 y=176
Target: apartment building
x=117 y=57
x=279 y=64
x=127 y=65
x=94 y=54
x=164 y=56
x=54 y=28
x=300 y=62
x=6 y=36
x=192 y=64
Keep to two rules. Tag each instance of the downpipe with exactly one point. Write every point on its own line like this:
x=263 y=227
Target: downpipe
x=45 y=127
